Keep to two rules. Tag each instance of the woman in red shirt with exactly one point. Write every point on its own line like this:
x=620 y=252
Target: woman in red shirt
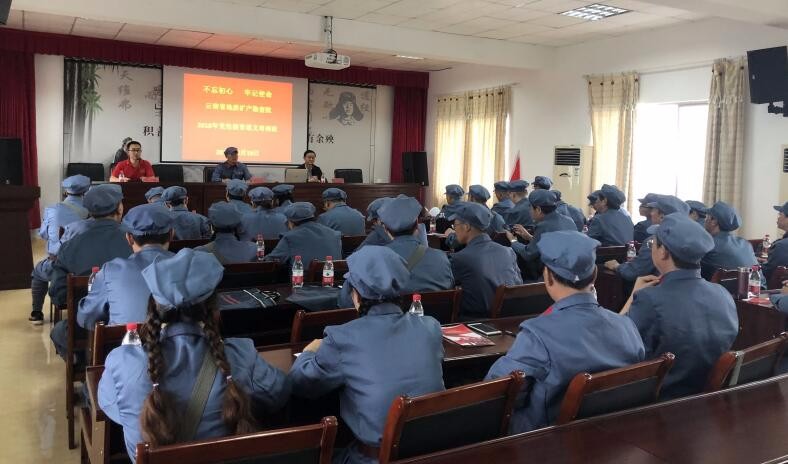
x=134 y=168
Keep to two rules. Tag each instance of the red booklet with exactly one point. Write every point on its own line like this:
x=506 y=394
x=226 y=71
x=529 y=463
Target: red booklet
x=463 y=336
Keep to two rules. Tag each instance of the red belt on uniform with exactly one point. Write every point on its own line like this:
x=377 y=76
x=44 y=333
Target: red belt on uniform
x=371 y=452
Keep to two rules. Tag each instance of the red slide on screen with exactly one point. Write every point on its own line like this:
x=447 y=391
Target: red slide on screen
x=254 y=116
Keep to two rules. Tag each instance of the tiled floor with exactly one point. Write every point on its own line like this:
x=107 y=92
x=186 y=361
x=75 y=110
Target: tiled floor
x=32 y=398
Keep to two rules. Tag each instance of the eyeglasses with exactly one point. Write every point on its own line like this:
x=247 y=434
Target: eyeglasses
x=650 y=242
x=135 y=149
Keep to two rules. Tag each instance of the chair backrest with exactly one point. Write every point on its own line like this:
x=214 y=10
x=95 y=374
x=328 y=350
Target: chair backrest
x=778 y=276
x=501 y=239
x=169 y=172
x=93 y=170
x=305 y=444
x=443 y=305
x=105 y=339
x=308 y=326
x=315 y=271
x=350 y=243
x=463 y=415
x=757 y=245
x=240 y=275
x=757 y=362
x=613 y=390
x=351 y=176
x=178 y=245
x=207 y=172
x=728 y=278
x=605 y=254
x=520 y=300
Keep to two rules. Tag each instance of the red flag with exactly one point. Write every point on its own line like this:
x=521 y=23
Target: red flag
x=516 y=170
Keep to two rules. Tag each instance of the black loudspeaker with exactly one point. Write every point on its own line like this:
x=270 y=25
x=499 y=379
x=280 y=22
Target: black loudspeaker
x=414 y=168
x=768 y=74
x=10 y=162
x=5 y=7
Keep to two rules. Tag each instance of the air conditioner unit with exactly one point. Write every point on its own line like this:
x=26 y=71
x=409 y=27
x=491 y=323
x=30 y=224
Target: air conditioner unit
x=572 y=174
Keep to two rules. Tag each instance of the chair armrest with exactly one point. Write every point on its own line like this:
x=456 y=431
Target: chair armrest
x=92 y=377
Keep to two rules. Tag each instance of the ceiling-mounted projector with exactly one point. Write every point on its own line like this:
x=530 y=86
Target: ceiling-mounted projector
x=328 y=58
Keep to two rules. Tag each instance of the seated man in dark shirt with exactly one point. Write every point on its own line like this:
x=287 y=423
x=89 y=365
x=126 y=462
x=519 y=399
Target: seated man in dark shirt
x=230 y=169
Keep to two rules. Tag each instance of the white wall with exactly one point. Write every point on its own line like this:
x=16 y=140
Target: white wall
x=549 y=108
x=49 y=133
x=676 y=66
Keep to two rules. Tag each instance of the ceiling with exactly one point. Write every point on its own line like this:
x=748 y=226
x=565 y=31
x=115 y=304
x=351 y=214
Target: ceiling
x=534 y=22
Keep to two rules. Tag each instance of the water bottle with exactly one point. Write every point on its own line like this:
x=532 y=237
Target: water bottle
x=432 y=225
x=328 y=272
x=297 y=278
x=631 y=252
x=260 y=247
x=767 y=243
x=415 y=308
x=755 y=282
x=132 y=337
x=93 y=271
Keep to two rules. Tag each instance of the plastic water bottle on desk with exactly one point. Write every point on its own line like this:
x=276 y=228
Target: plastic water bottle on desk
x=328 y=272
x=631 y=252
x=297 y=278
x=415 y=308
x=260 y=247
x=432 y=225
x=92 y=277
x=755 y=282
x=765 y=245
x=132 y=337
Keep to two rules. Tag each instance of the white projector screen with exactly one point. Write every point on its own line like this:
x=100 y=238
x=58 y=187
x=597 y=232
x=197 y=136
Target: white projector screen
x=204 y=112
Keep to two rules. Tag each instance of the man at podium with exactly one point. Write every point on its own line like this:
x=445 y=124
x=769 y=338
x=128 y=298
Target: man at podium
x=134 y=168
x=230 y=169
x=313 y=173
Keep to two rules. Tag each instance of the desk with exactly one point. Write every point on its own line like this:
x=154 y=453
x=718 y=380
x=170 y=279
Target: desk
x=758 y=322
x=455 y=358
x=745 y=424
x=203 y=195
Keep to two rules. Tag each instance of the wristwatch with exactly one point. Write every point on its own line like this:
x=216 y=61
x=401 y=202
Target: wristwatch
x=514 y=240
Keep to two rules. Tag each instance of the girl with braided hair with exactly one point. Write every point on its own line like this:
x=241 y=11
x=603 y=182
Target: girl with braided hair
x=375 y=358
x=147 y=389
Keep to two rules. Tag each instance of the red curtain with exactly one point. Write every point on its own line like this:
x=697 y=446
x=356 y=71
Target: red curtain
x=410 y=122
x=18 y=114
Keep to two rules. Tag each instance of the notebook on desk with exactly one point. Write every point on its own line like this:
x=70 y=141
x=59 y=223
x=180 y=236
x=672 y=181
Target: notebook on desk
x=463 y=336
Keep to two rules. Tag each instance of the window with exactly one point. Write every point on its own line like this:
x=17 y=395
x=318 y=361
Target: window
x=669 y=149
x=471 y=139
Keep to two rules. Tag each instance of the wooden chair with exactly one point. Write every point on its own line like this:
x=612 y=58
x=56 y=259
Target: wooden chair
x=241 y=275
x=605 y=254
x=728 y=278
x=315 y=271
x=757 y=245
x=105 y=339
x=350 y=243
x=305 y=444
x=308 y=326
x=178 y=245
x=443 y=305
x=757 y=362
x=778 y=276
x=463 y=415
x=611 y=293
x=76 y=341
x=613 y=390
x=526 y=299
